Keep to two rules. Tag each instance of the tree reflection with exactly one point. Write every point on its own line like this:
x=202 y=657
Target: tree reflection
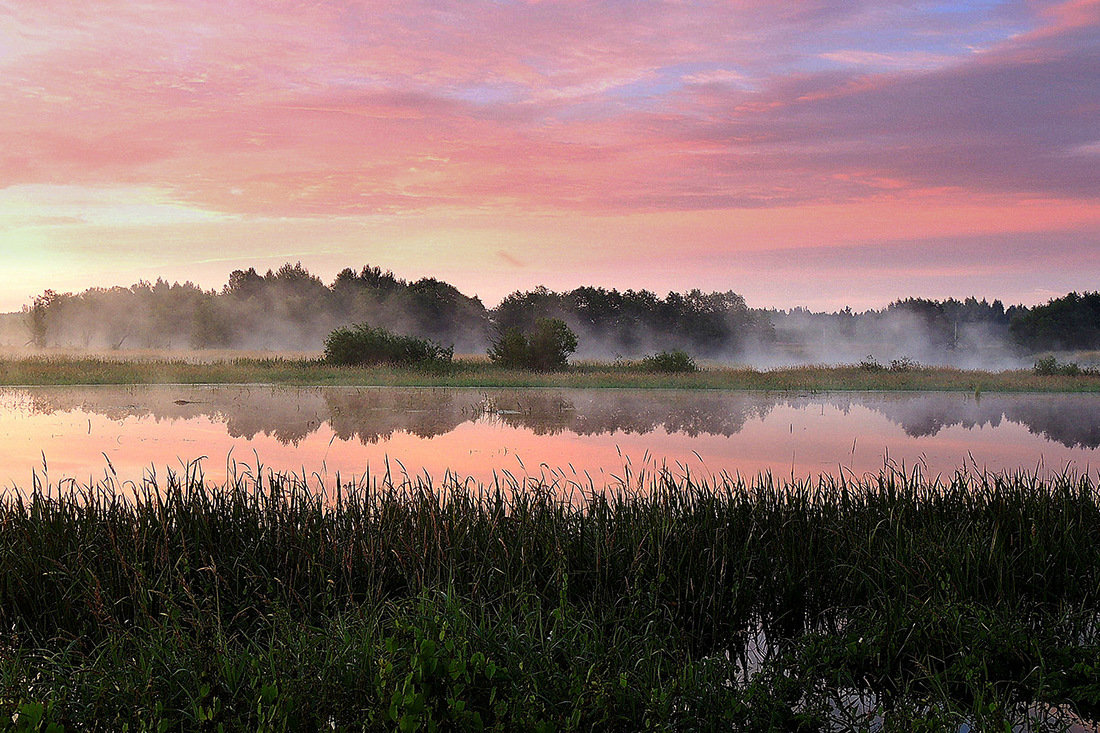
x=371 y=415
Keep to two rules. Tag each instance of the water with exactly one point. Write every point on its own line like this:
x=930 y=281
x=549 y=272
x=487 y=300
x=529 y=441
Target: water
x=86 y=432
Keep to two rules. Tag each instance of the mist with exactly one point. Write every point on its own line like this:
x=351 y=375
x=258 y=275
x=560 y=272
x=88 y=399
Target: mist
x=292 y=310
x=286 y=310
x=966 y=334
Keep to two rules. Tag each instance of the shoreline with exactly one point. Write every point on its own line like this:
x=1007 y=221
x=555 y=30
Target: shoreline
x=89 y=371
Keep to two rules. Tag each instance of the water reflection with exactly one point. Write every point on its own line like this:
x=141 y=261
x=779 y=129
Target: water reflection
x=1070 y=419
x=372 y=415
x=477 y=431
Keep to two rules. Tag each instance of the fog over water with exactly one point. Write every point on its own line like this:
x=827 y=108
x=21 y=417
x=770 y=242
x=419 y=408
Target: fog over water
x=475 y=432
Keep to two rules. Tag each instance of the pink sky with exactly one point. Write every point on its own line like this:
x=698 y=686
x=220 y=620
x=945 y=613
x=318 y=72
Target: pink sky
x=813 y=153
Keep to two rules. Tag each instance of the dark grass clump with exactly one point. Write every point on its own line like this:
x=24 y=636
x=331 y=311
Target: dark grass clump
x=670 y=603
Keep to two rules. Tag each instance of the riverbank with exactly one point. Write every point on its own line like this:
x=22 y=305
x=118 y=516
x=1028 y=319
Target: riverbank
x=814 y=605
x=75 y=369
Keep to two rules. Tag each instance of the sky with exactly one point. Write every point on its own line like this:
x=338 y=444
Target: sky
x=812 y=153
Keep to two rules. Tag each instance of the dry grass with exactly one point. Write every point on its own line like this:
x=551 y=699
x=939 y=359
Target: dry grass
x=190 y=356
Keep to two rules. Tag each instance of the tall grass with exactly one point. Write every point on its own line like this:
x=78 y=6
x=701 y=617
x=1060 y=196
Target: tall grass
x=380 y=601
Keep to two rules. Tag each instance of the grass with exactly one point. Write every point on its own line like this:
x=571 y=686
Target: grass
x=270 y=604
x=69 y=369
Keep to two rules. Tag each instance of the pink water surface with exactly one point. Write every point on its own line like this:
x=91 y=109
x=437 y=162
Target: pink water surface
x=586 y=436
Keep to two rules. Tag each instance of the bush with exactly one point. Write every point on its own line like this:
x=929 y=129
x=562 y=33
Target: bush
x=362 y=345
x=676 y=360
x=510 y=350
x=1050 y=366
x=546 y=349
x=870 y=364
x=551 y=344
x=904 y=364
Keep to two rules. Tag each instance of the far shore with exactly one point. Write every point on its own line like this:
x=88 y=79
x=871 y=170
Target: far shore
x=126 y=368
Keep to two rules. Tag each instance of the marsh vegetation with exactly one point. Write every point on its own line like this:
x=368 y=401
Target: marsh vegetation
x=265 y=603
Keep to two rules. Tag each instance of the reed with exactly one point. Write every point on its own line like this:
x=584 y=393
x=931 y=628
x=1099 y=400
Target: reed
x=672 y=601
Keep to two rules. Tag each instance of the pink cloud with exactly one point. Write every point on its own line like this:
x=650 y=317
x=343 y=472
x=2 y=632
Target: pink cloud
x=314 y=109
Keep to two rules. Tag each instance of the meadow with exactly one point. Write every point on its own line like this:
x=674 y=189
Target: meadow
x=273 y=603
x=73 y=368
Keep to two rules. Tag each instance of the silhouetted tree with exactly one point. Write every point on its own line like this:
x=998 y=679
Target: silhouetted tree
x=291 y=308
x=546 y=348
x=38 y=317
x=1069 y=322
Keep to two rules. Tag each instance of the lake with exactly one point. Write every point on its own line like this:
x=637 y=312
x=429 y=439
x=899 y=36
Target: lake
x=83 y=433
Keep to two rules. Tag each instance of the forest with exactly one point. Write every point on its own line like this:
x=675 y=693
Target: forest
x=293 y=309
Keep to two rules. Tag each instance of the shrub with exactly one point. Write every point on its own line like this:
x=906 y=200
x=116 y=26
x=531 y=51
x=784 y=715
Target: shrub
x=551 y=344
x=362 y=345
x=547 y=348
x=903 y=364
x=870 y=364
x=510 y=350
x=676 y=360
x=1050 y=366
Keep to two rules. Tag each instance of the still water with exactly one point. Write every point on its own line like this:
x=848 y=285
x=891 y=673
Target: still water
x=82 y=433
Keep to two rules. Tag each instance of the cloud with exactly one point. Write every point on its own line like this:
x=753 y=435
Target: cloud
x=709 y=116
x=604 y=105
x=510 y=260
x=47 y=205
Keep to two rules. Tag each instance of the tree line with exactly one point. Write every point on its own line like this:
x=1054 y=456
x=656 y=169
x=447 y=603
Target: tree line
x=293 y=309
x=290 y=308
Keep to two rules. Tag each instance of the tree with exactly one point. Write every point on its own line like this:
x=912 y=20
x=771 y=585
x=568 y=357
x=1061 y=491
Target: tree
x=551 y=344
x=211 y=327
x=509 y=350
x=547 y=348
x=1069 y=322
x=38 y=317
